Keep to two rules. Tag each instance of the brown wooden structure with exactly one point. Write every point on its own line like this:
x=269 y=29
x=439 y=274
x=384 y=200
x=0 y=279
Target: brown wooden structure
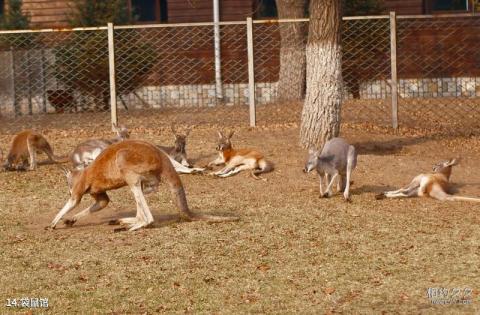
x=55 y=13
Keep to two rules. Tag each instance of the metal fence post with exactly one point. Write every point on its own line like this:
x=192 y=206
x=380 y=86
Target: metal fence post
x=217 y=47
x=393 y=60
x=251 y=73
x=111 y=68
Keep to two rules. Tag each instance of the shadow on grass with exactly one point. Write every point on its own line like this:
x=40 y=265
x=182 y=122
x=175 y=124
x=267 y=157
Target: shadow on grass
x=370 y=189
x=396 y=145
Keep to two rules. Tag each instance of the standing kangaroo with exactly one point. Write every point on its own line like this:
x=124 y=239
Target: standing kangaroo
x=338 y=158
x=86 y=152
x=238 y=160
x=178 y=150
x=132 y=163
x=24 y=149
x=435 y=185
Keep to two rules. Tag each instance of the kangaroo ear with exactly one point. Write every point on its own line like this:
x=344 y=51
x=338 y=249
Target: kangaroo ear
x=172 y=128
x=220 y=134
x=116 y=128
x=230 y=135
x=314 y=152
x=188 y=131
x=454 y=161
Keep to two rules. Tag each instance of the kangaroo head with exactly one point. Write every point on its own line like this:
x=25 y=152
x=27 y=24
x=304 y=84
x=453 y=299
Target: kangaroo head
x=121 y=131
x=224 y=142
x=312 y=160
x=72 y=177
x=14 y=163
x=445 y=167
x=180 y=140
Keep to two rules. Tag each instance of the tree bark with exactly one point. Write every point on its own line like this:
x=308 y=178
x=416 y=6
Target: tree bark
x=321 y=110
x=291 y=82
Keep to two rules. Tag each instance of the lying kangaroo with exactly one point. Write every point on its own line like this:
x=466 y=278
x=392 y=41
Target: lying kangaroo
x=178 y=151
x=435 y=185
x=130 y=163
x=337 y=158
x=238 y=160
x=24 y=149
x=86 y=152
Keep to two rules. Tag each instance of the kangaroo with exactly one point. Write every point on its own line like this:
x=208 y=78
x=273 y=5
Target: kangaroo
x=238 y=160
x=337 y=158
x=132 y=163
x=178 y=151
x=435 y=185
x=86 y=152
x=24 y=149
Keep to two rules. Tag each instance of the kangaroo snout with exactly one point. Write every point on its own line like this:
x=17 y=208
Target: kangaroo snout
x=308 y=168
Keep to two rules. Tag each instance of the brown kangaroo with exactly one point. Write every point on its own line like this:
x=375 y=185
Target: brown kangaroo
x=133 y=163
x=24 y=149
x=435 y=185
x=238 y=160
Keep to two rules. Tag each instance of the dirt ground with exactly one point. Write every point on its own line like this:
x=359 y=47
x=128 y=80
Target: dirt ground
x=290 y=252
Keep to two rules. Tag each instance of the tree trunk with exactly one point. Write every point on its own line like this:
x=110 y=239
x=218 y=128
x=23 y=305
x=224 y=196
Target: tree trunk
x=291 y=83
x=321 y=110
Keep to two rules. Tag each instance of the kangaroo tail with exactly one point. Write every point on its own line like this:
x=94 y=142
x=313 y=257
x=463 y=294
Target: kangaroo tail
x=56 y=159
x=61 y=159
x=181 y=200
x=212 y=218
x=264 y=167
x=461 y=198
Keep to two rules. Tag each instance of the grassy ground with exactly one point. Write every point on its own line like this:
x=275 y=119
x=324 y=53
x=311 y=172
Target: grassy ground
x=290 y=252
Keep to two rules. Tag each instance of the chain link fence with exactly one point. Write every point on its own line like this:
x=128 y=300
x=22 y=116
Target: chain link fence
x=166 y=73
x=439 y=72
x=367 y=70
x=45 y=74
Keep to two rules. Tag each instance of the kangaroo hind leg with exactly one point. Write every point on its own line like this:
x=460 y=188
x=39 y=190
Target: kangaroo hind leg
x=351 y=165
x=32 y=152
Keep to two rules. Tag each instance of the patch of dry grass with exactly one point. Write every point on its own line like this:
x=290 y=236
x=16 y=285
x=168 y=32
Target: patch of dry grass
x=291 y=251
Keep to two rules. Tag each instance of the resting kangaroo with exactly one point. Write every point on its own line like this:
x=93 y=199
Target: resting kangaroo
x=435 y=185
x=24 y=149
x=337 y=158
x=178 y=151
x=238 y=160
x=132 y=163
x=86 y=152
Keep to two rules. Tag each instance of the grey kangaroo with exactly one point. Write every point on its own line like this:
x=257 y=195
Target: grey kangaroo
x=337 y=158
x=86 y=152
x=178 y=151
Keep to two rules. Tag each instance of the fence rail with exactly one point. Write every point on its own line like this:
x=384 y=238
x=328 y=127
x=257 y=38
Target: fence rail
x=397 y=70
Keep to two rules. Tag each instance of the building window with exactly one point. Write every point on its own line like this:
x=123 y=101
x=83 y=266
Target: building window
x=146 y=11
x=2 y=7
x=266 y=9
x=448 y=6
